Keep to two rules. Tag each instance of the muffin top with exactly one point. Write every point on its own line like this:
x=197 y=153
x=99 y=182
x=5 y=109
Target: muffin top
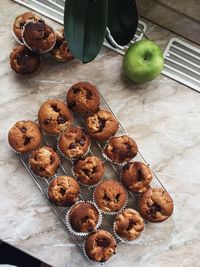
x=121 y=149
x=89 y=170
x=54 y=116
x=155 y=205
x=24 y=136
x=83 y=97
x=60 y=50
x=44 y=161
x=84 y=217
x=136 y=176
x=102 y=125
x=128 y=224
x=64 y=191
x=74 y=142
x=110 y=196
x=100 y=246
x=38 y=36
x=21 y=20
x=23 y=61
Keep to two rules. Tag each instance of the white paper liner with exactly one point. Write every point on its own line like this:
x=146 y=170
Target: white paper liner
x=129 y=242
x=67 y=219
x=110 y=212
x=16 y=38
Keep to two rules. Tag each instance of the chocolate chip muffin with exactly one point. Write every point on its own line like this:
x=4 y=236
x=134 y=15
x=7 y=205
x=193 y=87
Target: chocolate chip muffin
x=38 y=36
x=23 y=61
x=89 y=170
x=136 y=176
x=100 y=246
x=61 y=50
x=20 y=21
x=74 y=142
x=102 y=125
x=128 y=225
x=83 y=97
x=84 y=217
x=110 y=196
x=155 y=205
x=54 y=116
x=24 y=136
x=44 y=161
x=63 y=191
x=121 y=149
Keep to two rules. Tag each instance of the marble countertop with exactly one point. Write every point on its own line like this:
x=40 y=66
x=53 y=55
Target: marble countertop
x=164 y=118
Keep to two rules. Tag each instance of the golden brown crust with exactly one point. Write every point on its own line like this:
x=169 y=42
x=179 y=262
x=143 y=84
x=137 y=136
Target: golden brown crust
x=84 y=217
x=44 y=161
x=110 y=196
x=60 y=50
x=121 y=149
x=54 y=116
x=129 y=224
x=24 y=136
x=89 y=170
x=100 y=246
x=102 y=125
x=64 y=191
x=136 y=176
x=23 y=61
x=74 y=142
x=155 y=205
x=83 y=97
x=21 y=20
x=38 y=36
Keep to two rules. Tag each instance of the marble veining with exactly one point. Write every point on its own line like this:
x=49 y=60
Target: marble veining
x=164 y=118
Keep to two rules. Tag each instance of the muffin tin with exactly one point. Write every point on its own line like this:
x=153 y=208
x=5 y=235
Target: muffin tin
x=153 y=233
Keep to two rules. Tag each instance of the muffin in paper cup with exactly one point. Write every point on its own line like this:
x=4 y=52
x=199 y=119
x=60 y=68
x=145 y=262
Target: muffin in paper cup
x=136 y=222
x=122 y=149
x=83 y=214
x=107 y=194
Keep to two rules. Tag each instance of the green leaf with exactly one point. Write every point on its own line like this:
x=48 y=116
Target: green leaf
x=85 y=26
x=122 y=20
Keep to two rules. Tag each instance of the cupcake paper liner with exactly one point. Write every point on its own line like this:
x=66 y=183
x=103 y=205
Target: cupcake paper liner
x=68 y=224
x=110 y=212
x=16 y=38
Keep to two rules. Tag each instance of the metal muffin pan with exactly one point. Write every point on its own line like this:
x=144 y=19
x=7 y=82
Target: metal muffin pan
x=152 y=234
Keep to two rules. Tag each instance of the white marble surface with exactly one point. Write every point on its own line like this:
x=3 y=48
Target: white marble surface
x=164 y=118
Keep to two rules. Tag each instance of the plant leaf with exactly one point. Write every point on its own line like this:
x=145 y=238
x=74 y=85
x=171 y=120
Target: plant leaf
x=85 y=26
x=122 y=20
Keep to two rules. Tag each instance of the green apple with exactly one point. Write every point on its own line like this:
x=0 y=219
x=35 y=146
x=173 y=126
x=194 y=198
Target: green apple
x=143 y=61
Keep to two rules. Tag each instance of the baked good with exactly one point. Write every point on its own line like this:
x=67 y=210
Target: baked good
x=38 y=36
x=83 y=217
x=110 y=196
x=60 y=50
x=102 y=125
x=155 y=205
x=24 y=136
x=121 y=149
x=100 y=246
x=54 y=116
x=128 y=225
x=83 y=97
x=23 y=61
x=89 y=170
x=20 y=21
x=136 y=176
x=44 y=161
x=74 y=142
x=64 y=191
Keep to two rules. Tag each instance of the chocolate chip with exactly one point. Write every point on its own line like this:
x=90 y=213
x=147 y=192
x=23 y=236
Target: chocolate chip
x=23 y=129
x=101 y=125
x=76 y=90
x=62 y=191
x=128 y=146
x=47 y=121
x=117 y=198
x=55 y=107
x=27 y=140
x=130 y=225
x=88 y=95
x=21 y=25
x=22 y=59
x=155 y=208
x=72 y=104
x=61 y=119
x=72 y=145
x=104 y=243
x=105 y=197
x=139 y=175
x=52 y=159
x=84 y=219
x=82 y=142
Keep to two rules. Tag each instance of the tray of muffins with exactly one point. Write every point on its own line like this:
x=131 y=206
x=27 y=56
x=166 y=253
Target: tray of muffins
x=91 y=171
